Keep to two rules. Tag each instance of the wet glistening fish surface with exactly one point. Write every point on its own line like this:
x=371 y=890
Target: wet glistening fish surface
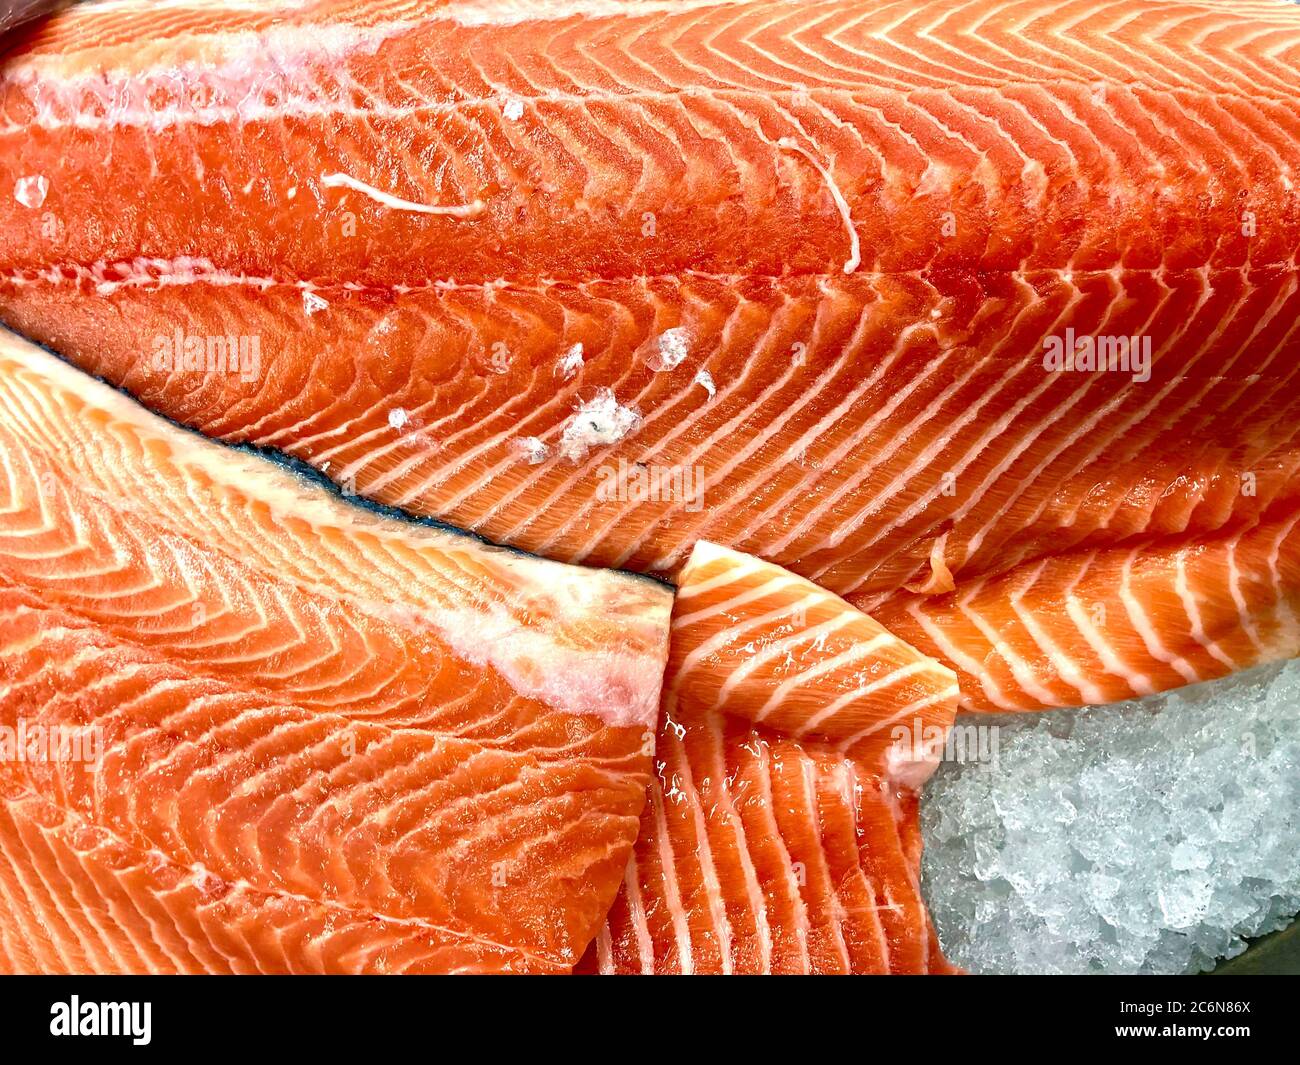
x=714 y=398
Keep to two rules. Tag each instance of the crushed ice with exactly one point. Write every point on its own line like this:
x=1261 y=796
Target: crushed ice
x=532 y=449
x=671 y=348
x=31 y=191
x=311 y=303
x=570 y=362
x=1152 y=836
x=513 y=109
x=600 y=421
x=397 y=418
x=705 y=380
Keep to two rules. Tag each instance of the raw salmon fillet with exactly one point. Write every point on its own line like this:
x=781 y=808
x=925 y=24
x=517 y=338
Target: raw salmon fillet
x=1102 y=626
x=326 y=740
x=602 y=278
x=781 y=834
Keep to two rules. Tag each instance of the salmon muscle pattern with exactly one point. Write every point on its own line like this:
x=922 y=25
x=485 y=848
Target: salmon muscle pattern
x=1100 y=626
x=889 y=292
x=781 y=834
x=295 y=736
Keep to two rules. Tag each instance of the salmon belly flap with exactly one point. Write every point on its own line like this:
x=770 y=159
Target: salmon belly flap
x=295 y=736
x=781 y=834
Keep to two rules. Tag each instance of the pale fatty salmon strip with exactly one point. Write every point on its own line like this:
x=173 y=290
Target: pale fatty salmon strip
x=329 y=740
x=781 y=834
x=805 y=254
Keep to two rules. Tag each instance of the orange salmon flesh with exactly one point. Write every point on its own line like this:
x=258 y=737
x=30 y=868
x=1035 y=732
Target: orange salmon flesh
x=708 y=401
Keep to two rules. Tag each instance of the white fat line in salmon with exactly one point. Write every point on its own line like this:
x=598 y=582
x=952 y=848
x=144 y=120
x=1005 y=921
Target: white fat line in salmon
x=210 y=96
x=110 y=103
x=140 y=272
x=468 y=210
x=143 y=272
x=514 y=12
x=841 y=204
x=462 y=12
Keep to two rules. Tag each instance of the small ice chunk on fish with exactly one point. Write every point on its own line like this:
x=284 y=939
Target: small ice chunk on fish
x=705 y=380
x=513 y=109
x=533 y=450
x=397 y=418
x=311 y=303
x=598 y=422
x=1152 y=836
x=672 y=346
x=570 y=362
x=31 y=191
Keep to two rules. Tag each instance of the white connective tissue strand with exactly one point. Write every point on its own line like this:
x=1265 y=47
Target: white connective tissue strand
x=396 y=203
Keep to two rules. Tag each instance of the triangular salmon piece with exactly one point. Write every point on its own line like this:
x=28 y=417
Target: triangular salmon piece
x=781 y=834
x=324 y=739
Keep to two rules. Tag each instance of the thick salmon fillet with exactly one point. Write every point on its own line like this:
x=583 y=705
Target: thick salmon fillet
x=781 y=834
x=799 y=261
x=325 y=740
